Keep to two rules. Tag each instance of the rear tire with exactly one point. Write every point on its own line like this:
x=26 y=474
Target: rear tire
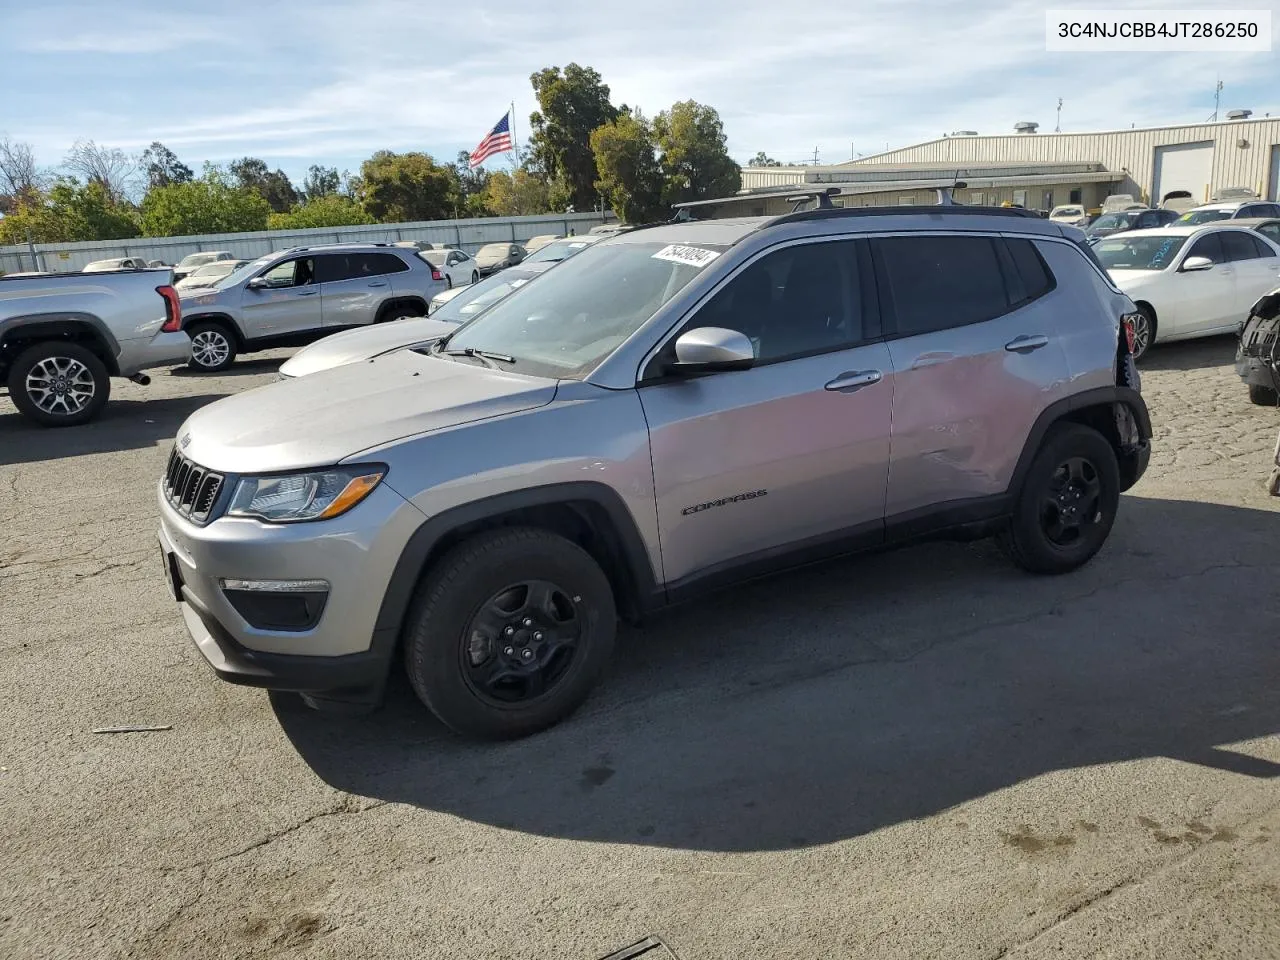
x=475 y=277
x=59 y=384
x=489 y=657
x=1144 y=333
x=1263 y=396
x=213 y=347
x=1067 y=504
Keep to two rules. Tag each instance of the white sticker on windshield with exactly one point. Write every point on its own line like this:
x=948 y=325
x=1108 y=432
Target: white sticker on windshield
x=689 y=256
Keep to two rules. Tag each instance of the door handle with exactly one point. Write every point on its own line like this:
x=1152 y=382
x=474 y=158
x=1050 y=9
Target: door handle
x=1025 y=344
x=378 y=283
x=306 y=293
x=852 y=380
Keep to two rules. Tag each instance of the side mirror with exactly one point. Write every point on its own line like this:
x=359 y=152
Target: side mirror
x=257 y=283
x=1196 y=263
x=710 y=349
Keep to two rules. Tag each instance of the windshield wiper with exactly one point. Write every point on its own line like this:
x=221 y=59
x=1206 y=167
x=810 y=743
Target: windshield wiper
x=487 y=355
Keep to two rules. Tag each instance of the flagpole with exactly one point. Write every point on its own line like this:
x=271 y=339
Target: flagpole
x=515 y=147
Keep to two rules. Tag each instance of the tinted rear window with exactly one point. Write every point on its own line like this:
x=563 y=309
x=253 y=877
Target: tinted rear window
x=941 y=282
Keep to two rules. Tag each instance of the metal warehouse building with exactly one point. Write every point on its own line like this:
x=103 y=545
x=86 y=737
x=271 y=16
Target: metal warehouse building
x=1042 y=170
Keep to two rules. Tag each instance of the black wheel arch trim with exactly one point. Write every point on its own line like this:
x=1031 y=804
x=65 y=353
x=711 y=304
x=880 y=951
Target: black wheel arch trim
x=413 y=559
x=223 y=319
x=1063 y=409
x=56 y=325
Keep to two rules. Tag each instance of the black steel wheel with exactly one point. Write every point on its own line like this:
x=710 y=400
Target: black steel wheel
x=1067 y=503
x=509 y=632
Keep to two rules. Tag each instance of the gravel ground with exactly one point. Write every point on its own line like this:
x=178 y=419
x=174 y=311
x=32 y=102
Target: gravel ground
x=918 y=754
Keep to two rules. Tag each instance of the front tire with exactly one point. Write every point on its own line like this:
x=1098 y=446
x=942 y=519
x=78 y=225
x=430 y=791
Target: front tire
x=1067 y=504
x=509 y=632
x=213 y=348
x=1263 y=396
x=59 y=384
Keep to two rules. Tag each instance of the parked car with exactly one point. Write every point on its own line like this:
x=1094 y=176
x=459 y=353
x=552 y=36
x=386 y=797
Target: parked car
x=188 y=264
x=1189 y=281
x=300 y=295
x=115 y=263
x=447 y=309
x=562 y=249
x=534 y=244
x=456 y=267
x=1122 y=220
x=156 y=263
x=663 y=413
x=493 y=257
x=1070 y=214
x=1258 y=350
x=206 y=275
x=421 y=245
x=63 y=336
x=1230 y=210
x=1269 y=227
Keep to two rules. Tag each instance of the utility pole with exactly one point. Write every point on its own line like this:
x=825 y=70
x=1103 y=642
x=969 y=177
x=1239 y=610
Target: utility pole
x=815 y=156
x=1057 y=128
x=1217 y=100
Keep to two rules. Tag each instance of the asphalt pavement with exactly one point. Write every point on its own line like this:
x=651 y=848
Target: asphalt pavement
x=918 y=754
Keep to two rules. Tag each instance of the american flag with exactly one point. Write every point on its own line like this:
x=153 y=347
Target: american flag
x=498 y=140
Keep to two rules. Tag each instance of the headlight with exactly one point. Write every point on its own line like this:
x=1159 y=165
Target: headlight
x=307 y=495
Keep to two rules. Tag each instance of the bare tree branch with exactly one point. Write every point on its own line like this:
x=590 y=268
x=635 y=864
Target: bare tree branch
x=113 y=169
x=19 y=175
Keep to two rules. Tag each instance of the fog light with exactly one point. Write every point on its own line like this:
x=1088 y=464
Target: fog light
x=289 y=605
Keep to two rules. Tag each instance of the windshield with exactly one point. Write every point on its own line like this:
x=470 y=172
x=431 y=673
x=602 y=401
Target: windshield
x=557 y=250
x=1138 y=253
x=1112 y=221
x=196 y=259
x=215 y=269
x=476 y=296
x=1193 y=217
x=235 y=276
x=583 y=309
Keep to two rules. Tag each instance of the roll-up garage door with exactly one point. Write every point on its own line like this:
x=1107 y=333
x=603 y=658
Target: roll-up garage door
x=1184 y=166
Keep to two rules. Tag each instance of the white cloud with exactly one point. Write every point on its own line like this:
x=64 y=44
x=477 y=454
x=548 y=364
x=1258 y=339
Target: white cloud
x=327 y=79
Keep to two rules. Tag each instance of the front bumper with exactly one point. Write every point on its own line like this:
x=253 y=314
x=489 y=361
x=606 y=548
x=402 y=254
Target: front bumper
x=342 y=658
x=164 y=349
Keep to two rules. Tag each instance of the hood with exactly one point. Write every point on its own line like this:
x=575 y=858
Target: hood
x=334 y=414
x=489 y=259
x=193 y=297
x=1128 y=279
x=363 y=343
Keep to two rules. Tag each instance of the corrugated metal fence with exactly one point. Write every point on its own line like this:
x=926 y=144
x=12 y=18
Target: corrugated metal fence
x=468 y=235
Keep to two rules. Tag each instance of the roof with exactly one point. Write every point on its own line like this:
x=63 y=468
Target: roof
x=1249 y=222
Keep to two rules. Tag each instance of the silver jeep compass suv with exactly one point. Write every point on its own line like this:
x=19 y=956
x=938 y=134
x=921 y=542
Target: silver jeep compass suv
x=675 y=408
x=299 y=295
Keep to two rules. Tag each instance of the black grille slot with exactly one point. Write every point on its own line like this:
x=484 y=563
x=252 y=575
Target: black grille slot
x=191 y=489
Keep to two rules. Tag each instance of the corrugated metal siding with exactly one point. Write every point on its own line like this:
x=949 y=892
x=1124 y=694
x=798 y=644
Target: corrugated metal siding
x=469 y=235
x=1233 y=166
x=771 y=176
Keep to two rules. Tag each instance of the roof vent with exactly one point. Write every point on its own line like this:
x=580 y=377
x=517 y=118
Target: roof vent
x=1239 y=114
x=1026 y=126
x=964 y=133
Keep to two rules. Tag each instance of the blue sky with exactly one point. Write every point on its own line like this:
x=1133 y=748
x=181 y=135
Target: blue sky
x=298 y=82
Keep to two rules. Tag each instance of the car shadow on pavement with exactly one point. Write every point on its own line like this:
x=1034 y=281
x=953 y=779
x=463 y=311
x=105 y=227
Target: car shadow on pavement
x=123 y=425
x=836 y=700
x=1191 y=354
x=240 y=368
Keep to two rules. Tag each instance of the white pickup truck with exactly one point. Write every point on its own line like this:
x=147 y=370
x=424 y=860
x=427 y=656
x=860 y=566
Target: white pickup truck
x=63 y=336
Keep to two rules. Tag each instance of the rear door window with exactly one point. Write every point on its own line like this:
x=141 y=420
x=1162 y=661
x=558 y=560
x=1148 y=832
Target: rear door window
x=937 y=282
x=378 y=264
x=1238 y=246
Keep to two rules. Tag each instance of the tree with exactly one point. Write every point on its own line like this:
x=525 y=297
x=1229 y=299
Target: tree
x=211 y=204
x=333 y=210
x=115 y=171
x=67 y=213
x=629 y=177
x=320 y=181
x=761 y=159
x=520 y=194
x=572 y=103
x=272 y=185
x=20 y=177
x=162 y=166
x=403 y=187
x=694 y=160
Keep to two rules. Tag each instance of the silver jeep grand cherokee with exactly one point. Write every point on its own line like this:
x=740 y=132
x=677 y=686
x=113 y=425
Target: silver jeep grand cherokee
x=674 y=409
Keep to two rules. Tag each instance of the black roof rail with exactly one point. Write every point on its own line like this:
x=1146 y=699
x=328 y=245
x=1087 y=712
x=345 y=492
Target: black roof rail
x=943 y=210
